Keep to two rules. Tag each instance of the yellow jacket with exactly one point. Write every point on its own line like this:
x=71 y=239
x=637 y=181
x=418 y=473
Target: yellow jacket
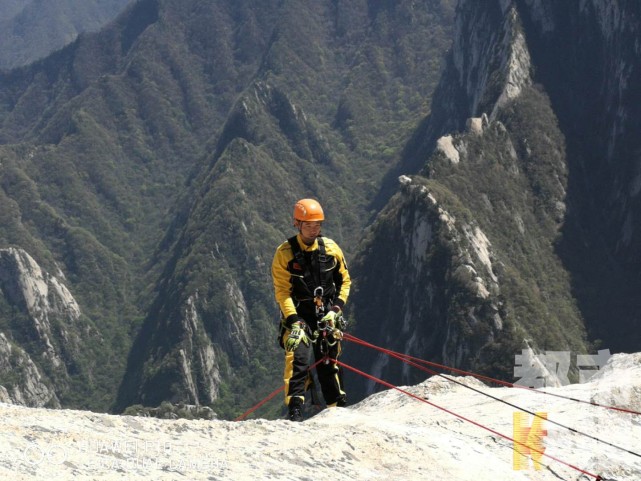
x=283 y=267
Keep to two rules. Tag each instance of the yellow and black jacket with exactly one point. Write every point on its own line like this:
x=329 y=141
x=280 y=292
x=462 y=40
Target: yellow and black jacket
x=323 y=265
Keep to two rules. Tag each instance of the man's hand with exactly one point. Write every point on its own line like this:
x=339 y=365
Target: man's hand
x=334 y=318
x=296 y=335
x=330 y=317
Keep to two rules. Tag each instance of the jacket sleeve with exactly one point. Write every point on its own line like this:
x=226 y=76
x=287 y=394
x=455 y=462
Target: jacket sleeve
x=343 y=274
x=282 y=280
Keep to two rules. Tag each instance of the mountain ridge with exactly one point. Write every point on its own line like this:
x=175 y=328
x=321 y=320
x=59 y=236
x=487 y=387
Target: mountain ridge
x=132 y=130
x=32 y=29
x=155 y=162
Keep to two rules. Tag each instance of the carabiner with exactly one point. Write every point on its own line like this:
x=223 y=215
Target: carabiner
x=318 y=300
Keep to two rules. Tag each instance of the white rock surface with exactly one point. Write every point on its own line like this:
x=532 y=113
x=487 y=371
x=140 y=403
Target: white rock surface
x=445 y=145
x=388 y=436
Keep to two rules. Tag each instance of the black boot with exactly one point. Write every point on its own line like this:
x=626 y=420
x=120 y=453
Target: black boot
x=295 y=410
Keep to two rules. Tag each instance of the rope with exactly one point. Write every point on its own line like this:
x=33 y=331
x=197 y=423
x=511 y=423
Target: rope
x=389 y=385
x=269 y=397
x=254 y=408
x=408 y=359
x=399 y=355
x=576 y=431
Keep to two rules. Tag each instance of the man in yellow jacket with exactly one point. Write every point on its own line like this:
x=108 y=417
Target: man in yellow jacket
x=311 y=286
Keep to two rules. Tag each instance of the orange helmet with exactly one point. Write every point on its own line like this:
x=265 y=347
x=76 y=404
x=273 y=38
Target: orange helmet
x=308 y=210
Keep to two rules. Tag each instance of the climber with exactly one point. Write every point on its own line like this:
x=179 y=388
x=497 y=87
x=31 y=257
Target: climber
x=311 y=286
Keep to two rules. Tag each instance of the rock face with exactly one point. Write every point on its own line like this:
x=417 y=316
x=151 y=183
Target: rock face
x=432 y=288
x=593 y=85
x=48 y=323
x=27 y=386
x=390 y=435
x=462 y=265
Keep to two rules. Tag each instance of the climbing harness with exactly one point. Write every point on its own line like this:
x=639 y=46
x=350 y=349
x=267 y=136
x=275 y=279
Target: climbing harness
x=312 y=273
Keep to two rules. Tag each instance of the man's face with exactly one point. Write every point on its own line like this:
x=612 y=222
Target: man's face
x=309 y=230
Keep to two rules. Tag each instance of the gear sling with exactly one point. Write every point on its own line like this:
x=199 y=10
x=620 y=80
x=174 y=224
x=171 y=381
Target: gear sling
x=314 y=285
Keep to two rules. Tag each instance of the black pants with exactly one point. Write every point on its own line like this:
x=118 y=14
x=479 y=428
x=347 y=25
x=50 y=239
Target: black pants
x=297 y=376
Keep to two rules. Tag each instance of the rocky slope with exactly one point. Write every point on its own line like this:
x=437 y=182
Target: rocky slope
x=389 y=435
x=44 y=350
x=473 y=274
x=504 y=231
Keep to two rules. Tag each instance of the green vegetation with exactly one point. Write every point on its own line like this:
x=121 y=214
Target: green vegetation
x=513 y=179
x=154 y=165
x=417 y=271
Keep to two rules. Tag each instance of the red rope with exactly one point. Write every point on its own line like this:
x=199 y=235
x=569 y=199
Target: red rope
x=398 y=355
x=430 y=371
x=389 y=385
x=268 y=398
x=254 y=408
x=406 y=358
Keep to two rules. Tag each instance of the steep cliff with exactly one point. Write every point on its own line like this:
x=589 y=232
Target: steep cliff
x=587 y=57
x=39 y=313
x=462 y=265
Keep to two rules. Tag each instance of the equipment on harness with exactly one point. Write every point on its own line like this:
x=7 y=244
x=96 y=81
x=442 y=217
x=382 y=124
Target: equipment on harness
x=333 y=322
x=335 y=318
x=318 y=301
x=329 y=332
x=325 y=339
x=312 y=276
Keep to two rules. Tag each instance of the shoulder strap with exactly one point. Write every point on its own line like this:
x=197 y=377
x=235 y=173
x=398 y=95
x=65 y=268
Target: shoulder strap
x=321 y=261
x=300 y=258
x=321 y=247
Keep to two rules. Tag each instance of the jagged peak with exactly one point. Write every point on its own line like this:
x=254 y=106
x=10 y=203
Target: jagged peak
x=24 y=280
x=517 y=63
x=490 y=55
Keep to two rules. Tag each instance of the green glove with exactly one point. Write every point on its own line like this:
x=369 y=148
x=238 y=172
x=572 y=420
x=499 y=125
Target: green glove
x=335 y=319
x=296 y=335
x=330 y=317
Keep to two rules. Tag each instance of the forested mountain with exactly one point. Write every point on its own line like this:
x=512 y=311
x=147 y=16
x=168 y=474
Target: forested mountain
x=32 y=29
x=148 y=172
x=519 y=229
x=154 y=165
